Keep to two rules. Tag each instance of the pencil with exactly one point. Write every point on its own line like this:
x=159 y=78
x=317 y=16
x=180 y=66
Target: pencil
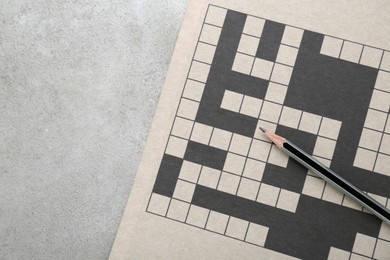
x=330 y=176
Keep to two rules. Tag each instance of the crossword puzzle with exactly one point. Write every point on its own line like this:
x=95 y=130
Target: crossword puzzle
x=328 y=95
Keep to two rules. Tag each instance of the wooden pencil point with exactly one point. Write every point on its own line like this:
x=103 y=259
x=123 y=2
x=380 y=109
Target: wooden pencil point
x=276 y=139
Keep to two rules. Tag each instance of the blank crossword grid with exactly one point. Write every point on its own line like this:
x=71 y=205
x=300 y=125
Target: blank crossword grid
x=221 y=174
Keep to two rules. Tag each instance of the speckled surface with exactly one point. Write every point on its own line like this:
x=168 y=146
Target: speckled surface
x=79 y=83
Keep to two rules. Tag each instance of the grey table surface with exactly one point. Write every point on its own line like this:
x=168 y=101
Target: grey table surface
x=79 y=84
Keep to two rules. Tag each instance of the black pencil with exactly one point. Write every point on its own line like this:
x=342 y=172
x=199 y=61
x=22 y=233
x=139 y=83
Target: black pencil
x=330 y=176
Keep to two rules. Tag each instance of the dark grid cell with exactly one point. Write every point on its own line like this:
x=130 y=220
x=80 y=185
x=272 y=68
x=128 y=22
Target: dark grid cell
x=270 y=40
x=205 y=155
x=167 y=175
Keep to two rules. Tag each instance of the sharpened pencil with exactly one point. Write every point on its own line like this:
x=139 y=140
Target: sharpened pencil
x=330 y=176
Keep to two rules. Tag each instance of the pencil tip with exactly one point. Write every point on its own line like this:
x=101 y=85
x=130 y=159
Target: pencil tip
x=262 y=129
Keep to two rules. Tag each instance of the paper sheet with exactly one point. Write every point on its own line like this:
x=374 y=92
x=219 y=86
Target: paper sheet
x=210 y=185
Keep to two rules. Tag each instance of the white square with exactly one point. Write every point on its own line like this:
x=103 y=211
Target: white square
x=176 y=146
x=313 y=187
x=268 y=194
x=199 y=71
x=287 y=55
x=254 y=169
x=182 y=127
x=243 y=63
x=204 y=52
x=201 y=133
x=364 y=159
x=276 y=92
x=375 y=120
x=220 y=139
x=288 y=200
x=324 y=161
x=338 y=254
x=370 y=139
x=234 y=163
x=348 y=202
x=364 y=245
x=310 y=123
x=158 y=204
x=277 y=157
x=251 y=106
x=292 y=36
x=188 y=109
x=324 y=147
x=383 y=81
x=387 y=128
x=217 y=222
x=310 y=172
x=248 y=44
x=382 y=164
x=371 y=57
x=228 y=183
x=262 y=68
x=385 y=144
x=178 y=210
x=380 y=100
x=216 y=15
x=359 y=257
x=351 y=51
x=331 y=194
x=330 y=128
x=331 y=46
x=189 y=171
x=210 y=34
x=382 y=249
x=232 y=101
x=384 y=232
x=257 y=234
x=237 y=228
x=380 y=199
x=266 y=125
x=281 y=74
x=240 y=144
x=270 y=111
x=209 y=177
x=197 y=216
x=290 y=117
x=253 y=26
x=259 y=150
x=248 y=189
x=193 y=90
x=184 y=190
x=385 y=64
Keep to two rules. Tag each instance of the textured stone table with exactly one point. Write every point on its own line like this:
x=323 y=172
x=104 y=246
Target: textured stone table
x=79 y=83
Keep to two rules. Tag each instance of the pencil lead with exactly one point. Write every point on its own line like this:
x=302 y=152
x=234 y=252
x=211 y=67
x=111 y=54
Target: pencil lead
x=262 y=129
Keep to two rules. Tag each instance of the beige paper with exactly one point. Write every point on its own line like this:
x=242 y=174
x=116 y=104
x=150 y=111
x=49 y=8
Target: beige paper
x=353 y=35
